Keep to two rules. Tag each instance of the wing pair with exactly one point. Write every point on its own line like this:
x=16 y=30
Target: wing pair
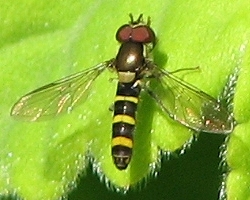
x=181 y=101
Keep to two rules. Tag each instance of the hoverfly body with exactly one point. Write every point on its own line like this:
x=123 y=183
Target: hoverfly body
x=179 y=100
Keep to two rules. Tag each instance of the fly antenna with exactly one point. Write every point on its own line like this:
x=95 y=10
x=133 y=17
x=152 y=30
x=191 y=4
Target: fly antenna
x=139 y=19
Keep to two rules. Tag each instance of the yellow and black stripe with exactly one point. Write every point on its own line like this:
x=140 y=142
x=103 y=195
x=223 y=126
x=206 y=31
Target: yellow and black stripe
x=124 y=123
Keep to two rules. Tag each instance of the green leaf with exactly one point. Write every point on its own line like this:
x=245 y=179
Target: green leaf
x=44 y=41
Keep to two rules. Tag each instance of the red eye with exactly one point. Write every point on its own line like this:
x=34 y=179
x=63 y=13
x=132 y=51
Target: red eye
x=124 y=33
x=141 y=34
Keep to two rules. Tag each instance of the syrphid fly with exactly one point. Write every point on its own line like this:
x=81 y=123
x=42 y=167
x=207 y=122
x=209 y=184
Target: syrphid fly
x=179 y=100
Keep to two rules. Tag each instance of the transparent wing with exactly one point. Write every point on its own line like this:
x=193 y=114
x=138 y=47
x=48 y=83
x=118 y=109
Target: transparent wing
x=190 y=106
x=56 y=97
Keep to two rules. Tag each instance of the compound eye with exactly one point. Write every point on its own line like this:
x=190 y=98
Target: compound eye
x=143 y=34
x=124 y=33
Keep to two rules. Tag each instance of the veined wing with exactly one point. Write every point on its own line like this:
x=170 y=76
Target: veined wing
x=56 y=97
x=190 y=106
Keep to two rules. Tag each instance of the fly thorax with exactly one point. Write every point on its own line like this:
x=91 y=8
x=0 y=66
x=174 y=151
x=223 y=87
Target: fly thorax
x=129 y=57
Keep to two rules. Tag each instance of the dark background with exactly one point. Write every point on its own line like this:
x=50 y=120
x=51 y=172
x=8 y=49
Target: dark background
x=193 y=175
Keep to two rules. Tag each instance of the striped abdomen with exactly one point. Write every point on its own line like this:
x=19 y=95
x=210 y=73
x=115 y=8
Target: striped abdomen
x=124 y=123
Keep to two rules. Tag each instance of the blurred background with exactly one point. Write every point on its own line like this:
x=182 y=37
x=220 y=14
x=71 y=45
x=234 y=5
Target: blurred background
x=194 y=175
